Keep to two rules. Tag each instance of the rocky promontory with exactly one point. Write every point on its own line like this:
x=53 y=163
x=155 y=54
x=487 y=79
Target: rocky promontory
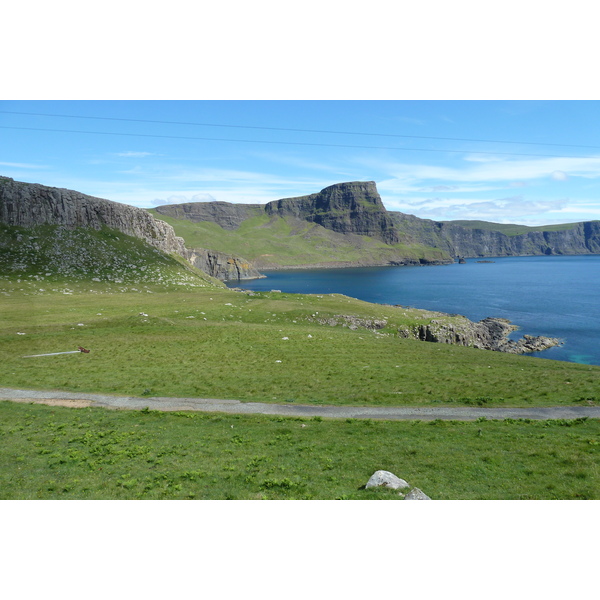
x=353 y=207
x=488 y=334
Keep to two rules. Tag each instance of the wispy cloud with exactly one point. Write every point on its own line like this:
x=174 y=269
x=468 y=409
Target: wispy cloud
x=204 y=197
x=134 y=154
x=22 y=165
x=503 y=210
x=499 y=170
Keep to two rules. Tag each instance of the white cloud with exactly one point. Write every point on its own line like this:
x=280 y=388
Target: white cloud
x=134 y=154
x=22 y=165
x=559 y=176
x=440 y=188
x=504 y=210
x=178 y=199
x=497 y=170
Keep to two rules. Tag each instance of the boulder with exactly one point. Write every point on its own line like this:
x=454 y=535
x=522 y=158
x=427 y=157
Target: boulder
x=386 y=479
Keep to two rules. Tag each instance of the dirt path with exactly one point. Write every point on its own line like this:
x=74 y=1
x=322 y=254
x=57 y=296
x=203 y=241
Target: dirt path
x=458 y=413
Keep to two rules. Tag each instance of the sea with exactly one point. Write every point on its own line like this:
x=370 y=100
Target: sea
x=555 y=296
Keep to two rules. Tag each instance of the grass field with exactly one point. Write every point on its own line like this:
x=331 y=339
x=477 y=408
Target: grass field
x=511 y=229
x=62 y=453
x=268 y=347
x=176 y=340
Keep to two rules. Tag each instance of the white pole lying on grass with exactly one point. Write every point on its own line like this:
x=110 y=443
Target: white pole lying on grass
x=52 y=354
x=55 y=353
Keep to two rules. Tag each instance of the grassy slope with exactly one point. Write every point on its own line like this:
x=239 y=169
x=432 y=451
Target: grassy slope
x=511 y=229
x=51 y=253
x=215 y=342
x=291 y=242
x=61 y=453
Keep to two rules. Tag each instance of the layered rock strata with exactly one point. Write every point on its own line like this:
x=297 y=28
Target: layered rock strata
x=225 y=267
x=489 y=334
x=466 y=242
x=353 y=207
x=31 y=204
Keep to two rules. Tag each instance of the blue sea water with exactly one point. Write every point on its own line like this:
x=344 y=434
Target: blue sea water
x=557 y=296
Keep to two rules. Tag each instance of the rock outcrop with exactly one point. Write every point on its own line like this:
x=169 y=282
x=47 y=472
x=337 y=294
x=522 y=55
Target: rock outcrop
x=225 y=267
x=353 y=207
x=31 y=204
x=488 y=334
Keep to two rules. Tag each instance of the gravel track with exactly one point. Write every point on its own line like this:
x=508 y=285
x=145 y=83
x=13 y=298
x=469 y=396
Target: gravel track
x=393 y=413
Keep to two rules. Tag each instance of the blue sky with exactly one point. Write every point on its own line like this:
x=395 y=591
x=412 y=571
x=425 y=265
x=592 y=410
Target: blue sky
x=530 y=162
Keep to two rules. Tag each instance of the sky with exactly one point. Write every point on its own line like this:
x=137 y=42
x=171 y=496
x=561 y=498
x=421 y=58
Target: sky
x=529 y=162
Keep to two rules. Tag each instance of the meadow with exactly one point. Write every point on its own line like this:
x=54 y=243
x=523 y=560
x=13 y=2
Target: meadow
x=90 y=453
x=185 y=341
x=214 y=342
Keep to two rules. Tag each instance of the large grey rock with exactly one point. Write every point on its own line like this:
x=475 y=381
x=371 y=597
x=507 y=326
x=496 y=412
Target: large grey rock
x=416 y=494
x=386 y=479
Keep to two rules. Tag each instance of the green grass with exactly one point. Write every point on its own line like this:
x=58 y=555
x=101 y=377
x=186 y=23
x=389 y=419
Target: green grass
x=62 y=453
x=511 y=229
x=278 y=241
x=214 y=342
x=49 y=253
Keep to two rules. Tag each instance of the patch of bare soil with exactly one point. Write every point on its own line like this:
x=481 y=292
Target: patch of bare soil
x=55 y=402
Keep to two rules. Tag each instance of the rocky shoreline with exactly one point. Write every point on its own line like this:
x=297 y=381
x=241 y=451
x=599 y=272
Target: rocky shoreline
x=489 y=334
x=349 y=264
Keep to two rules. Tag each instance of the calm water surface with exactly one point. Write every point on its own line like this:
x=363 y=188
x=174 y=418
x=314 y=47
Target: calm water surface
x=558 y=296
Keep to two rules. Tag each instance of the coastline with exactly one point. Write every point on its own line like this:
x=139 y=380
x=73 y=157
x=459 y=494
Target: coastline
x=342 y=265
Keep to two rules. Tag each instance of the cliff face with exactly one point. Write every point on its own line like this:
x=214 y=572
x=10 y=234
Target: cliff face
x=30 y=204
x=228 y=216
x=225 y=267
x=582 y=238
x=354 y=207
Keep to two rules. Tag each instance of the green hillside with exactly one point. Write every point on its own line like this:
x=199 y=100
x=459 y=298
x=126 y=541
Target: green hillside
x=54 y=253
x=285 y=241
x=511 y=229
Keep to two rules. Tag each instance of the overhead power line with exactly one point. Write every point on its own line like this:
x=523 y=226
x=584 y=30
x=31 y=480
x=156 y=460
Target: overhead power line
x=392 y=135
x=209 y=139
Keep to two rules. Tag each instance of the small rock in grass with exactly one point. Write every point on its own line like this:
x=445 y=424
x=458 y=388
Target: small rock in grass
x=416 y=494
x=386 y=479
